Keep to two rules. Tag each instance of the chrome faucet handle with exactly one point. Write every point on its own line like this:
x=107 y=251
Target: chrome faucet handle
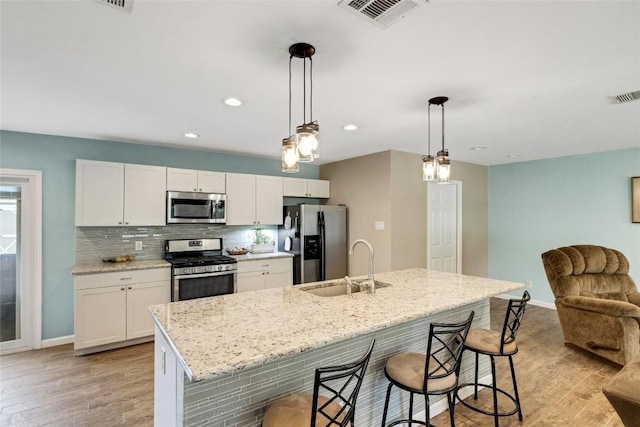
x=348 y=280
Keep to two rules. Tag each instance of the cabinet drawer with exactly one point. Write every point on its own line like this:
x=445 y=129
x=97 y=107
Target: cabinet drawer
x=99 y=280
x=270 y=264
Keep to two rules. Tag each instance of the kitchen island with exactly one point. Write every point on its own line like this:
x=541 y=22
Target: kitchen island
x=220 y=361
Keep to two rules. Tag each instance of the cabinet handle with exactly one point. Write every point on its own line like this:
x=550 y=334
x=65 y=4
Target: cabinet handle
x=122 y=289
x=126 y=223
x=195 y=189
x=120 y=222
x=125 y=278
x=200 y=189
x=164 y=362
x=129 y=287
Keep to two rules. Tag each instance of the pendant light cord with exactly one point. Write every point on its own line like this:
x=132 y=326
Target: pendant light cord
x=290 y=58
x=442 y=105
x=304 y=90
x=429 y=130
x=311 y=88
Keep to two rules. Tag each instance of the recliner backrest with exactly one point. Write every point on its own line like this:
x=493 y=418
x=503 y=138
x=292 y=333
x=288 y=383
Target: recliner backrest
x=579 y=269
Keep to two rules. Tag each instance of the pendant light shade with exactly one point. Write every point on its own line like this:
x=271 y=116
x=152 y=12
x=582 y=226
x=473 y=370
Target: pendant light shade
x=290 y=155
x=306 y=136
x=438 y=168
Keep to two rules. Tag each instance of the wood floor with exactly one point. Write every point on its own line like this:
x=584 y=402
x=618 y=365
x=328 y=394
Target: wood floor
x=559 y=385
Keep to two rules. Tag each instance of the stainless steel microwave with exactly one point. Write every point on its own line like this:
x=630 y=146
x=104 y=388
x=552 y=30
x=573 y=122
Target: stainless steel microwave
x=193 y=207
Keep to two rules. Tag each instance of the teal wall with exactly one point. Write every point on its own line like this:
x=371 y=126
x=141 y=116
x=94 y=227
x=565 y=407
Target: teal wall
x=540 y=205
x=55 y=156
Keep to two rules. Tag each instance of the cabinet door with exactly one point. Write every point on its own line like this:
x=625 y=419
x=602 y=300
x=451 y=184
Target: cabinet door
x=99 y=193
x=212 y=182
x=139 y=297
x=280 y=273
x=269 y=199
x=100 y=316
x=318 y=188
x=182 y=179
x=165 y=382
x=294 y=187
x=241 y=199
x=253 y=281
x=145 y=193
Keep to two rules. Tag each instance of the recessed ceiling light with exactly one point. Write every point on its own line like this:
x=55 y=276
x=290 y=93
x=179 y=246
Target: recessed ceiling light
x=479 y=148
x=233 y=102
x=350 y=127
x=513 y=156
x=191 y=135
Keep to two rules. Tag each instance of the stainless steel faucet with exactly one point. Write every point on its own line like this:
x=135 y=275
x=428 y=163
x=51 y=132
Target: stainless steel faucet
x=372 y=283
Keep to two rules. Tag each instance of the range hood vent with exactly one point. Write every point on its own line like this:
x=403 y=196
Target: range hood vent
x=627 y=97
x=124 y=5
x=381 y=13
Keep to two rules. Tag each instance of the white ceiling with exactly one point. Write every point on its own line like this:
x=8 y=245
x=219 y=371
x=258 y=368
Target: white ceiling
x=527 y=78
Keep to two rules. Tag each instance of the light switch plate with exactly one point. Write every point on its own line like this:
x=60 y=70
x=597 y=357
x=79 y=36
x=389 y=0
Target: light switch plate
x=379 y=225
x=138 y=245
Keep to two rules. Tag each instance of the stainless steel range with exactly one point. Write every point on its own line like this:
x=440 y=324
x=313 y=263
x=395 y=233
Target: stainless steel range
x=198 y=269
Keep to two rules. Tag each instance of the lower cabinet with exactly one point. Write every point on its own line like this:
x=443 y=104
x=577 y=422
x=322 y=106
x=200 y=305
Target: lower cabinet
x=268 y=273
x=112 y=308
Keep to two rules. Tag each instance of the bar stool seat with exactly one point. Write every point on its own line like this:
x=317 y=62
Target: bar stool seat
x=408 y=369
x=497 y=344
x=295 y=410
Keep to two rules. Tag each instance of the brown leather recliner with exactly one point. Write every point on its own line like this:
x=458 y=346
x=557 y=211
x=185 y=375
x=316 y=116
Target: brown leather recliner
x=598 y=302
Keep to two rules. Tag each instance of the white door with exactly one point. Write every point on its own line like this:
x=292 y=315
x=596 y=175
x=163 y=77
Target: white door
x=241 y=199
x=20 y=260
x=139 y=297
x=145 y=195
x=443 y=227
x=269 y=200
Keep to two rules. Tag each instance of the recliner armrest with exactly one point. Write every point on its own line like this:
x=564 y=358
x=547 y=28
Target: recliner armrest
x=634 y=298
x=604 y=306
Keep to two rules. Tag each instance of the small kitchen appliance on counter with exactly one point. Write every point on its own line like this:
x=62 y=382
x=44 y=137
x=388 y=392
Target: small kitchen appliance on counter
x=317 y=237
x=198 y=269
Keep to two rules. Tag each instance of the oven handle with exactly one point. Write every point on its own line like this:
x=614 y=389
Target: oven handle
x=207 y=274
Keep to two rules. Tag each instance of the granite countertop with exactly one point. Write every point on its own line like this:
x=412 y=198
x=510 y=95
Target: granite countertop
x=249 y=256
x=220 y=335
x=111 y=267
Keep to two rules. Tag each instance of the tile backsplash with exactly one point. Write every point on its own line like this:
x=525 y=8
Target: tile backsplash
x=95 y=243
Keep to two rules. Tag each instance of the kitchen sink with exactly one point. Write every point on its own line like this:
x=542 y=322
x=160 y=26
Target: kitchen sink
x=340 y=288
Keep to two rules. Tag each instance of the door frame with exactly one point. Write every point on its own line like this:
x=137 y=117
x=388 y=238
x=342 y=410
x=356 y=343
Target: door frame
x=458 y=185
x=34 y=306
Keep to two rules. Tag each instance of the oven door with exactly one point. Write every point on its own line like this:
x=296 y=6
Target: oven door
x=191 y=286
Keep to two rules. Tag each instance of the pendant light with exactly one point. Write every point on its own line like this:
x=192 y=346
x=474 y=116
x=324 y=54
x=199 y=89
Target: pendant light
x=442 y=163
x=429 y=165
x=289 y=154
x=306 y=133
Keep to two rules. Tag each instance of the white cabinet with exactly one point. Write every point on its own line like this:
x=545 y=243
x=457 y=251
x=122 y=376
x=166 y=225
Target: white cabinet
x=299 y=187
x=255 y=275
x=254 y=199
x=111 y=194
x=167 y=377
x=194 y=180
x=113 y=307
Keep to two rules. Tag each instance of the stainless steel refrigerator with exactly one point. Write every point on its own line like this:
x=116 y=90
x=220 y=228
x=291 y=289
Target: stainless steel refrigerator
x=317 y=236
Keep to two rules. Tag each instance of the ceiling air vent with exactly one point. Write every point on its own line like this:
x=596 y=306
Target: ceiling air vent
x=381 y=13
x=124 y=5
x=627 y=97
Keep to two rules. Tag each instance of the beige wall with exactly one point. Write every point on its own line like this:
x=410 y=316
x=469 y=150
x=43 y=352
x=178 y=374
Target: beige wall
x=475 y=217
x=388 y=187
x=363 y=184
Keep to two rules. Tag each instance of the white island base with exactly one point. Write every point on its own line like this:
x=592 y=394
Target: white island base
x=197 y=385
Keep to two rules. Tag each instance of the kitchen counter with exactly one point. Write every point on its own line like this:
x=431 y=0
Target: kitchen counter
x=222 y=360
x=269 y=255
x=252 y=328
x=109 y=267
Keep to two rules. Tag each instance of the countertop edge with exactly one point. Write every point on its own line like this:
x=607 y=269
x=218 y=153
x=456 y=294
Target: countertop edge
x=104 y=267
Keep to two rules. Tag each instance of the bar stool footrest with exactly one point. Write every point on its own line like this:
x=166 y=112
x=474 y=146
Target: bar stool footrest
x=515 y=410
x=398 y=422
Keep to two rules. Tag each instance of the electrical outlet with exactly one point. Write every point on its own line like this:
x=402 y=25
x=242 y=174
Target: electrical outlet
x=138 y=245
x=529 y=284
x=379 y=225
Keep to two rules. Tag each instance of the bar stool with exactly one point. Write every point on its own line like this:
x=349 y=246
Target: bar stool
x=334 y=407
x=433 y=373
x=497 y=344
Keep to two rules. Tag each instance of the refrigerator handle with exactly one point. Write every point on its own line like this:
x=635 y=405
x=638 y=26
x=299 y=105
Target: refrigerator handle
x=323 y=254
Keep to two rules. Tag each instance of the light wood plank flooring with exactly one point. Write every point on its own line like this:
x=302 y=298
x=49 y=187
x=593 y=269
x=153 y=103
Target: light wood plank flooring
x=559 y=385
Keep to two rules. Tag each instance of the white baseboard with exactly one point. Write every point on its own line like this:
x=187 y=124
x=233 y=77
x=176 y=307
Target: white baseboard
x=52 y=342
x=537 y=303
x=441 y=405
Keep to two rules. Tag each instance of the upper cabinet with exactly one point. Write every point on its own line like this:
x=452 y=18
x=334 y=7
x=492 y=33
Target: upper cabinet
x=194 y=180
x=299 y=187
x=112 y=194
x=254 y=199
